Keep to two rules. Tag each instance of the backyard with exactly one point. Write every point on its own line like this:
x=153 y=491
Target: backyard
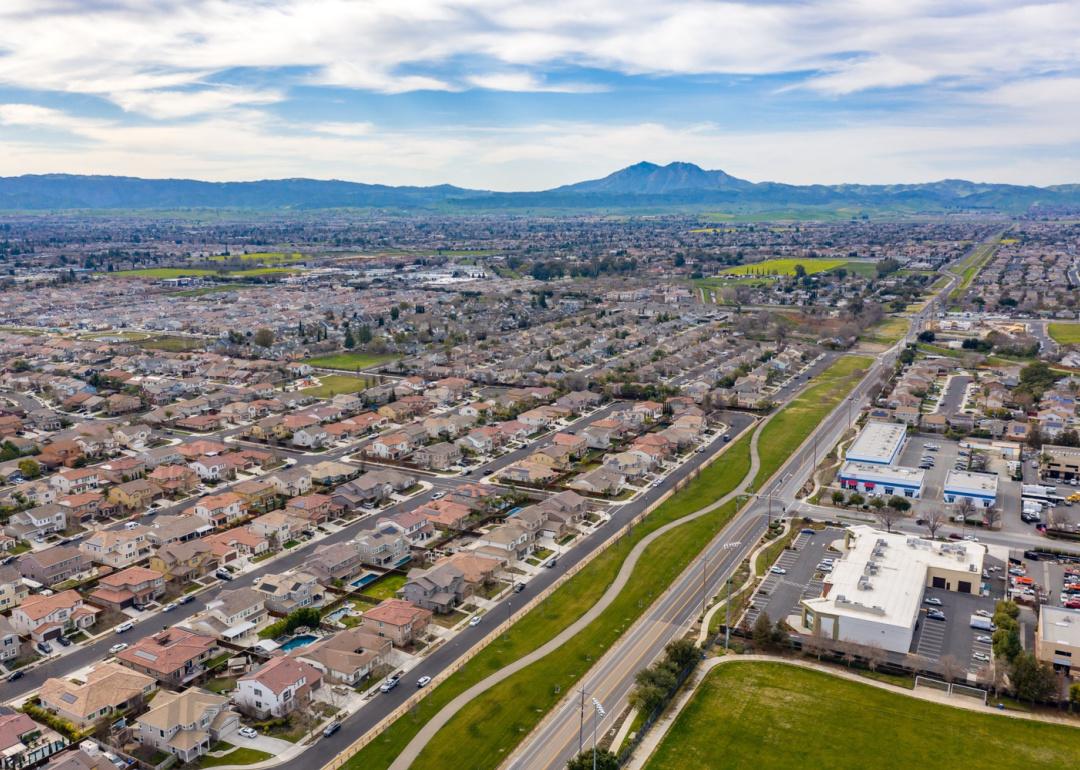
x=771 y=715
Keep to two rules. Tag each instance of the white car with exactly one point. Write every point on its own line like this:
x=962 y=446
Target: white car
x=248 y=732
x=437 y=495
x=984 y=639
x=984 y=613
x=117 y=648
x=981 y=657
x=778 y=570
x=932 y=600
x=127 y=625
x=423 y=681
x=169 y=607
x=474 y=620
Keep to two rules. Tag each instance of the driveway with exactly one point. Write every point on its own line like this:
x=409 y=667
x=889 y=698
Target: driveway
x=273 y=746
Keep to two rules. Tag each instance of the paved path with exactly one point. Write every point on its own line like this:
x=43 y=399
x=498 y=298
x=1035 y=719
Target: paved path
x=436 y=723
x=660 y=729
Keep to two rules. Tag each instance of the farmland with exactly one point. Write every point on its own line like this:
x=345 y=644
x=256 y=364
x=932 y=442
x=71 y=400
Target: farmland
x=772 y=267
x=772 y=715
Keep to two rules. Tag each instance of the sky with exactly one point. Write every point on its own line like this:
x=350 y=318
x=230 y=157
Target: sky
x=509 y=95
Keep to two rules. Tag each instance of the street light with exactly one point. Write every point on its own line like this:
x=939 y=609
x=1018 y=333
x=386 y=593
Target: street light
x=597 y=710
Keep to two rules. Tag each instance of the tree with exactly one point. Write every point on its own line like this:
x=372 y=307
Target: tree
x=264 y=337
x=1031 y=680
x=838 y=497
x=1074 y=696
x=991 y=516
x=800 y=271
x=964 y=509
x=364 y=336
x=856 y=499
x=950 y=668
x=898 y=503
x=29 y=468
x=682 y=652
x=350 y=341
x=933 y=522
x=875 y=656
x=887 y=516
x=762 y=633
x=605 y=760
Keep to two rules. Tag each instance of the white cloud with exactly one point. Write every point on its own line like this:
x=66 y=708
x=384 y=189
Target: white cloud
x=166 y=105
x=526 y=82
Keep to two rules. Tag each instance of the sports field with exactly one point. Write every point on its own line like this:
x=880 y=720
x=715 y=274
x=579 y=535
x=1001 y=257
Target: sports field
x=785 y=267
x=261 y=257
x=770 y=715
x=349 y=361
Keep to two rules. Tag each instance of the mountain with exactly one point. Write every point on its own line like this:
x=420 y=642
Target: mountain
x=642 y=187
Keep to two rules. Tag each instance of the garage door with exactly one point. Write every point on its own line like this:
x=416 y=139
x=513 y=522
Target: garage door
x=939 y=582
x=964 y=586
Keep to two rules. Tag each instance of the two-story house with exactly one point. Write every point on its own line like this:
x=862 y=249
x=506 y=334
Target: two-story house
x=53 y=565
x=221 y=511
x=106 y=690
x=278 y=687
x=175 y=656
x=131 y=587
x=348 y=656
x=290 y=591
x=47 y=617
x=117 y=548
x=186 y=724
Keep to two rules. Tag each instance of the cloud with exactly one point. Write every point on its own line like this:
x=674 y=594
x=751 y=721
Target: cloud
x=526 y=82
x=165 y=105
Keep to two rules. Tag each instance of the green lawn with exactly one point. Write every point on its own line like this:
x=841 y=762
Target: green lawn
x=493 y=724
x=785 y=266
x=971 y=266
x=261 y=257
x=796 y=421
x=171 y=344
x=336 y=384
x=237 y=757
x=768 y=715
x=350 y=361
x=385 y=587
x=887 y=331
x=165 y=272
x=1065 y=333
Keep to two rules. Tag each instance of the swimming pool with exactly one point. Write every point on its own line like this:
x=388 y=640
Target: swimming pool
x=363 y=580
x=299 y=641
x=338 y=614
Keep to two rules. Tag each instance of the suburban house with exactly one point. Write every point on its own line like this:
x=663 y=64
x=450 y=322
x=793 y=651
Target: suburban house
x=53 y=565
x=279 y=525
x=12 y=588
x=175 y=656
x=290 y=591
x=277 y=688
x=348 y=656
x=47 y=617
x=9 y=640
x=24 y=742
x=439 y=589
x=186 y=724
x=398 y=620
x=511 y=542
x=315 y=508
x=176 y=529
x=336 y=561
x=221 y=511
x=292 y=482
x=184 y=561
x=239 y=542
x=117 y=548
x=231 y=615
x=136 y=495
x=39 y=522
x=131 y=587
x=599 y=481
x=381 y=548
x=437 y=456
x=414 y=526
x=106 y=690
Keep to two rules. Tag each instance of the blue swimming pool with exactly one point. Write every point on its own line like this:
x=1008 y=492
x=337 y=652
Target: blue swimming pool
x=299 y=641
x=338 y=614
x=363 y=580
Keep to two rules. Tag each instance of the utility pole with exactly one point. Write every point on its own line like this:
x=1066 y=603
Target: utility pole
x=704 y=571
x=727 y=616
x=581 y=720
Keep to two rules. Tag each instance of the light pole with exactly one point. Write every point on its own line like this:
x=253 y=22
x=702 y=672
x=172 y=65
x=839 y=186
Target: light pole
x=598 y=710
x=704 y=576
x=581 y=720
x=727 y=616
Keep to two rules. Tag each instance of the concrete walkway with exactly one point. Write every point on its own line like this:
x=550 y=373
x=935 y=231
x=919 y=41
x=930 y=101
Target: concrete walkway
x=436 y=723
x=656 y=734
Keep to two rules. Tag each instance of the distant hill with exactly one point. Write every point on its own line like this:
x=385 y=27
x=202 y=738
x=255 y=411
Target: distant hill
x=640 y=187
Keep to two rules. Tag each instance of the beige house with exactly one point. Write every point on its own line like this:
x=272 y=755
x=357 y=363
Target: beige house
x=186 y=724
x=108 y=690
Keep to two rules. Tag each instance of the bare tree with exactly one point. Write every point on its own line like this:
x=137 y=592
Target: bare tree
x=992 y=516
x=964 y=509
x=933 y=522
x=874 y=654
x=951 y=669
x=887 y=516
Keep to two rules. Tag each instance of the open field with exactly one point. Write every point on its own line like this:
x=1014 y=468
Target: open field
x=971 y=266
x=261 y=257
x=797 y=420
x=23 y=330
x=124 y=335
x=770 y=715
x=489 y=728
x=350 y=361
x=331 y=385
x=1065 y=333
x=159 y=273
x=888 y=331
x=785 y=215
x=173 y=344
x=785 y=267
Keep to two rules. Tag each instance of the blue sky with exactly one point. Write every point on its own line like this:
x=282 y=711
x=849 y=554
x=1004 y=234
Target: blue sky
x=510 y=95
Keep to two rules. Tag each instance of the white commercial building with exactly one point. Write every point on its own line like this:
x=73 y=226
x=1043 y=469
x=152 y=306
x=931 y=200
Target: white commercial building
x=877 y=480
x=879 y=443
x=979 y=488
x=875 y=590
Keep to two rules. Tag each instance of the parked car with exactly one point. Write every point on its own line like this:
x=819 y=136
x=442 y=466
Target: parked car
x=248 y=732
x=14 y=675
x=185 y=599
x=982 y=657
x=44 y=648
x=423 y=681
x=935 y=614
x=169 y=607
x=391 y=682
x=519 y=587
x=437 y=495
x=474 y=620
x=117 y=648
x=984 y=639
x=552 y=563
x=330 y=729
x=222 y=574
x=64 y=641
x=127 y=625
x=932 y=600
x=777 y=570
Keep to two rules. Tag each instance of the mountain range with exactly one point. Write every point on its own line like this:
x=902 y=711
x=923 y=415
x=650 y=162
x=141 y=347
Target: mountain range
x=641 y=187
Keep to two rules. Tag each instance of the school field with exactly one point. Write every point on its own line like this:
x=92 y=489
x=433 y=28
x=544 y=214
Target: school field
x=349 y=361
x=759 y=715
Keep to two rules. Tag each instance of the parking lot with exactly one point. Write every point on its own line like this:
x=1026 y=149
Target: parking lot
x=944 y=459
x=954 y=637
x=779 y=595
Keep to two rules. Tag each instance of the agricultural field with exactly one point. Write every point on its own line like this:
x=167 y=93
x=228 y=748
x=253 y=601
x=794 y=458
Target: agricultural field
x=350 y=361
x=771 y=715
x=971 y=266
x=771 y=267
x=1065 y=333
x=261 y=257
x=331 y=385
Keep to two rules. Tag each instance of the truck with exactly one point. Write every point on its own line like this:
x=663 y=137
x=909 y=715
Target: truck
x=981 y=623
x=1037 y=490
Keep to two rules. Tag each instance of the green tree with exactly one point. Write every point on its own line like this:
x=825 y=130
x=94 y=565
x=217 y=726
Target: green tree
x=856 y=499
x=264 y=337
x=800 y=271
x=1074 y=696
x=350 y=342
x=29 y=468
x=605 y=760
x=762 y=632
x=838 y=497
x=365 y=335
x=1032 y=681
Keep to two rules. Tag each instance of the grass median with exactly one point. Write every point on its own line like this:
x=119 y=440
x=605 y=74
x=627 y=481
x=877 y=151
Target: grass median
x=494 y=723
x=771 y=715
x=790 y=427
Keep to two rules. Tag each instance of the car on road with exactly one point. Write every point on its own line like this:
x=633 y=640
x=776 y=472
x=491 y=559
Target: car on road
x=127 y=625
x=935 y=614
x=519 y=587
x=437 y=495
x=248 y=732
x=169 y=607
x=223 y=574
x=727 y=437
x=391 y=682
x=185 y=599
x=552 y=563
x=330 y=729
x=932 y=600
x=777 y=570
x=984 y=639
x=117 y=648
x=474 y=620
x=982 y=657
x=14 y=675
x=423 y=681
x=971 y=538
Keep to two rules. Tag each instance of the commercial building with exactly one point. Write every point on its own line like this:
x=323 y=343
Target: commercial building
x=1060 y=462
x=876 y=480
x=1058 y=639
x=875 y=590
x=979 y=488
x=879 y=443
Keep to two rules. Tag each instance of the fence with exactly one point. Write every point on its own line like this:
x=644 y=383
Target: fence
x=627 y=752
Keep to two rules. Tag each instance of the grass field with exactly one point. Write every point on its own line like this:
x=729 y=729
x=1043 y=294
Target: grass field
x=493 y=724
x=350 y=361
x=888 y=331
x=331 y=385
x=785 y=267
x=796 y=421
x=1065 y=333
x=171 y=344
x=261 y=257
x=385 y=587
x=124 y=335
x=768 y=715
x=971 y=266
